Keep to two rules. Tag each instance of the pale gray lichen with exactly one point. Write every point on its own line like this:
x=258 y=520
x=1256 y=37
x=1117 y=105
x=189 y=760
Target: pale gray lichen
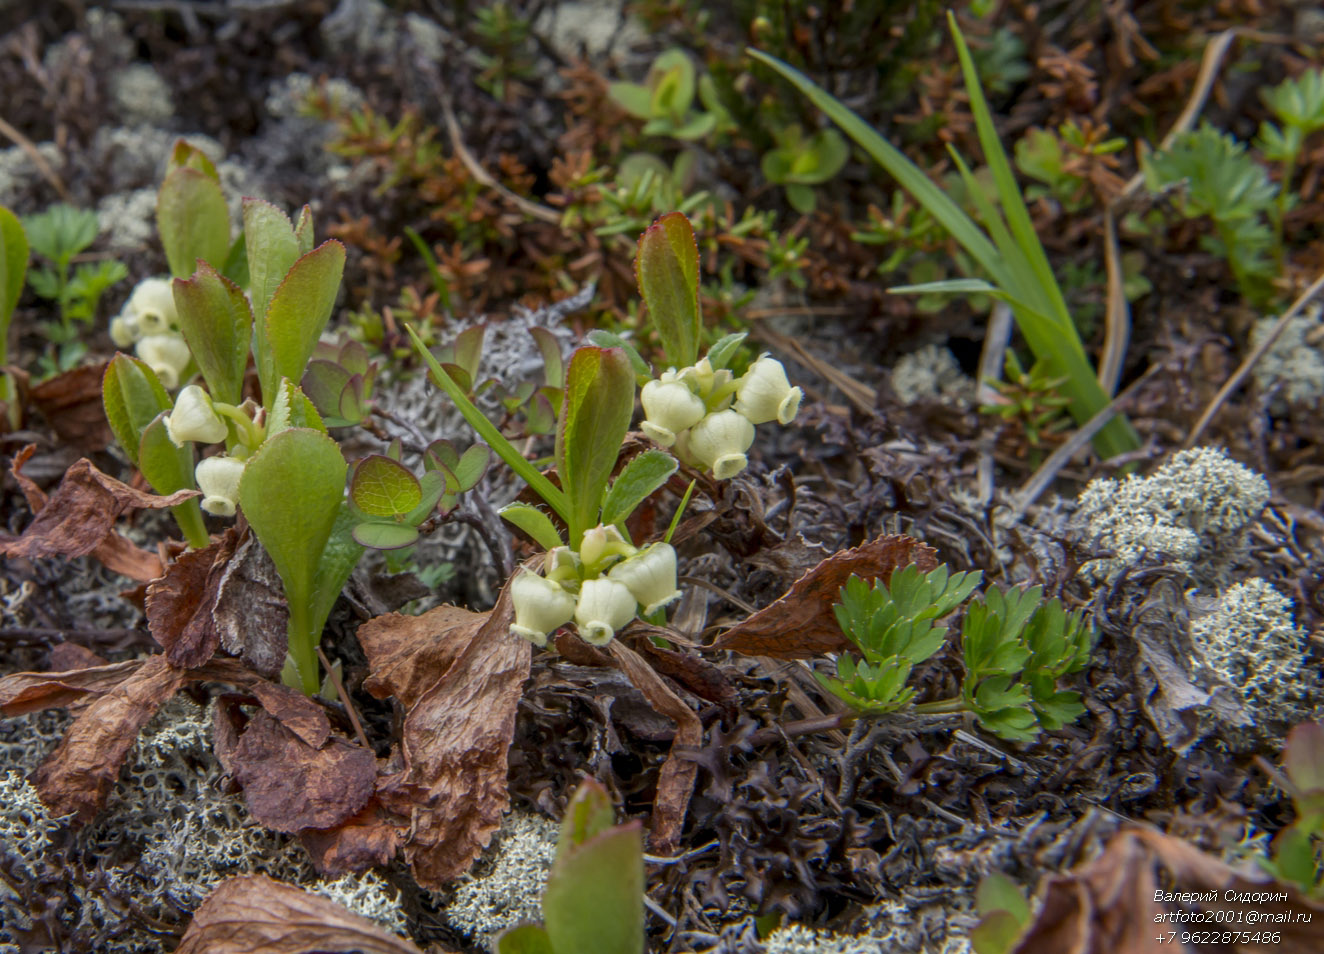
x=1293 y=365
x=1194 y=510
x=931 y=374
x=168 y=836
x=20 y=175
x=797 y=939
x=288 y=97
x=591 y=28
x=506 y=885
x=141 y=95
x=1250 y=642
x=128 y=220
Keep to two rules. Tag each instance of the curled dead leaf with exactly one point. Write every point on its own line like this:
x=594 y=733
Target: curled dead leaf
x=71 y=403
x=370 y=838
x=800 y=624
x=181 y=604
x=256 y=915
x=460 y=676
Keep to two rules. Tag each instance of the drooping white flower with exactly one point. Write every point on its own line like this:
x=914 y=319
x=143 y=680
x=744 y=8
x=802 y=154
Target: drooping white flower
x=719 y=442
x=194 y=419
x=168 y=355
x=541 y=605
x=218 y=479
x=604 y=606
x=153 y=304
x=600 y=545
x=669 y=408
x=124 y=330
x=703 y=377
x=650 y=576
x=766 y=395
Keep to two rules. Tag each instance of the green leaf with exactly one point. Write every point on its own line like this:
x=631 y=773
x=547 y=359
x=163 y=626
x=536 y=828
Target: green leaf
x=594 y=899
x=291 y=493
x=13 y=270
x=184 y=155
x=631 y=97
x=61 y=232
x=339 y=557
x=595 y=417
x=293 y=409
x=606 y=339
x=217 y=323
x=950 y=286
x=471 y=466
x=1294 y=857
x=381 y=487
x=996 y=933
x=534 y=522
x=303 y=230
x=298 y=313
x=524 y=939
x=544 y=488
x=381 y=535
x=550 y=349
x=193 y=220
x=589 y=813
x=167 y=468
x=133 y=396
x=271 y=249
x=997 y=892
x=801 y=197
x=644 y=474
x=721 y=353
x=667 y=271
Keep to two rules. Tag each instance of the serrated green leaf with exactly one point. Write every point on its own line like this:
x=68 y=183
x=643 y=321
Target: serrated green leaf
x=381 y=487
x=378 y=535
x=534 y=522
x=667 y=272
x=217 y=323
x=133 y=396
x=298 y=313
x=595 y=417
x=184 y=155
x=607 y=339
x=292 y=409
x=721 y=353
x=192 y=219
x=589 y=813
x=644 y=474
x=271 y=249
x=303 y=230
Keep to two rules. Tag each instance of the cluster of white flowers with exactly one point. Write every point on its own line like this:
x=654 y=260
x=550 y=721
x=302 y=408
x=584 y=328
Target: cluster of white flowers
x=149 y=323
x=601 y=587
x=707 y=417
x=194 y=418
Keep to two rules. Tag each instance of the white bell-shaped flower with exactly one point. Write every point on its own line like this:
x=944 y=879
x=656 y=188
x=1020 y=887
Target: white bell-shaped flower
x=600 y=545
x=650 y=575
x=218 y=479
x=669 y=408
x=153 y=303
x=541 y=605
x=124 y=330
x=604 y=606
x=168 y=355
x=703 y=377
x=194 y=419
x=766 y=395
x=719 y=442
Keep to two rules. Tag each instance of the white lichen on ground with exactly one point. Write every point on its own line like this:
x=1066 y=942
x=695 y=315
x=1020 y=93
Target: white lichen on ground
x=931 y=374
x=506 y=886
x=1294 y=363
x=1194 y=512
x=1251 y=643
x=168 y=836
x=797 y=939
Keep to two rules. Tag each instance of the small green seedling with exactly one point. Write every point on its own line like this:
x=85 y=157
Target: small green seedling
x=1006 y=249
x=1032 y=399
x=389 y=502
x=57 y=235
x=1016 y=648
x=801 y=162
x=13 y=271
x=339 y=382
x=665 y=100
x=1052 y=159
x=594 y=900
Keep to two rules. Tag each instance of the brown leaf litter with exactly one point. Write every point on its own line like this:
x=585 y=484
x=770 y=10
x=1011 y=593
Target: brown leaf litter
x=800 y=624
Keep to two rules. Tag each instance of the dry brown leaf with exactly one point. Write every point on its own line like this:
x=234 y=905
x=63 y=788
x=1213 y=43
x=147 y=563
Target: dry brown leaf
x=78 y=775
x=68 y=657
x=457 y=734
x=288 y=784
x=81 y=513
x=370 y=838
x=693 y=672
x=256 y=915
x=181 y=604
x=675 y=783
x=406 y=655
x=1108 y=905
x=24 y=692
x=71 y=404
x=800 y=624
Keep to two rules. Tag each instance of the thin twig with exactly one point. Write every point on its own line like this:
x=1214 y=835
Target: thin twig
x=344 y=698
x=1239 y=377
x=38 y=160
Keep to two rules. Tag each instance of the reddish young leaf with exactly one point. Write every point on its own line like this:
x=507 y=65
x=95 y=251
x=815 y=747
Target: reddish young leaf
x=800 y=624
x=667 y=271
x=256 y=915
